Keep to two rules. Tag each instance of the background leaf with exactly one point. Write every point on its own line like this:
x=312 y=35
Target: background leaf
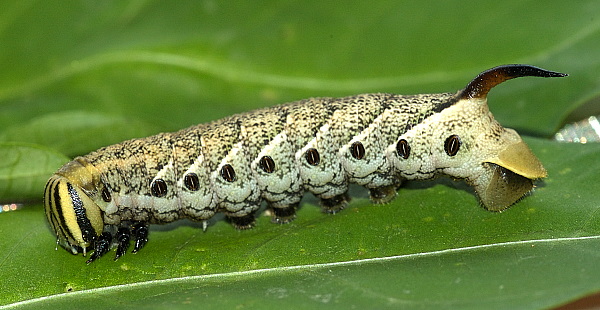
x=80 y=76
x=442 y=251
x=24 y=169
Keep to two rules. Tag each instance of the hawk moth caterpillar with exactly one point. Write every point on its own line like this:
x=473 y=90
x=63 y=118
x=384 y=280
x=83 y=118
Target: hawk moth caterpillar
x=320 y=145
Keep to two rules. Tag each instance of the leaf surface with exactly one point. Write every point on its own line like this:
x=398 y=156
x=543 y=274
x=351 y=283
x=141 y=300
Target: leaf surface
x=79 y=77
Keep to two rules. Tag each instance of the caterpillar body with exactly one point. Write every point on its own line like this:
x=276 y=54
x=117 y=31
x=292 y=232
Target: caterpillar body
x=320 y=145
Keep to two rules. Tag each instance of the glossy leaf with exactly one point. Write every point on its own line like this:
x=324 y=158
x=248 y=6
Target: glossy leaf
x=80 y=76
x=440 y=247
x=24 y=170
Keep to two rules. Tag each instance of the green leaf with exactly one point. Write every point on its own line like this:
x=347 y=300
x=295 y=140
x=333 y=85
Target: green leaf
x=432 y=247
x=175 y=66
x=24 y=169
x=442 y=279
x=78 y=77
x=75 y=132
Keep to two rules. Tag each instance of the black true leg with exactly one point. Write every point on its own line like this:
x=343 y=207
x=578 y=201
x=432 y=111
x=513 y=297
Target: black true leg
x=123 y=237
x=283 y=215
x=140 y=231
x=335 y=204
x=101 y=246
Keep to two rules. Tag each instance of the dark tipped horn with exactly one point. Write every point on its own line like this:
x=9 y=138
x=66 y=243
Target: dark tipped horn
x=481 y=85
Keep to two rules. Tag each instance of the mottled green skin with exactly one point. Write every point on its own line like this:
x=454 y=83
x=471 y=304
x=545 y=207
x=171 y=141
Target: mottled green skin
x=283 y=132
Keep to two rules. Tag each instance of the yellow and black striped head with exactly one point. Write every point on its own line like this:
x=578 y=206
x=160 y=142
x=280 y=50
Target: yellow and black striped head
x=73 y=215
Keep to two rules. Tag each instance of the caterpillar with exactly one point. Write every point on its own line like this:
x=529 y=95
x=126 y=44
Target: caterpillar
x=107 y=199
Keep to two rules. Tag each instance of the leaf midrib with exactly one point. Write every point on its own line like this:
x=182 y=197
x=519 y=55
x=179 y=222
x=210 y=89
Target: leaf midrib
x=264 y=271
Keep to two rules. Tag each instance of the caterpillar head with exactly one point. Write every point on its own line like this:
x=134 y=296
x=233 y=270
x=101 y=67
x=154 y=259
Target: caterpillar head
x=74 y=216
x=504 y=167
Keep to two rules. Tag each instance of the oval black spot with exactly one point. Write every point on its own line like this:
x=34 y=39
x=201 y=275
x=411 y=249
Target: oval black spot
x=158 y=188
x=228 y=173
x=106 y=194
x=452 y=145
x=312 y=157
x=403 y=149
x=191 y=181
x=267 y=164
x=357 y=150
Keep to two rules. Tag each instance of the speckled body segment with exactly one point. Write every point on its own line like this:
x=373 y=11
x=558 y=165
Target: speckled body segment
x=284 y=133
x=319 y=145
